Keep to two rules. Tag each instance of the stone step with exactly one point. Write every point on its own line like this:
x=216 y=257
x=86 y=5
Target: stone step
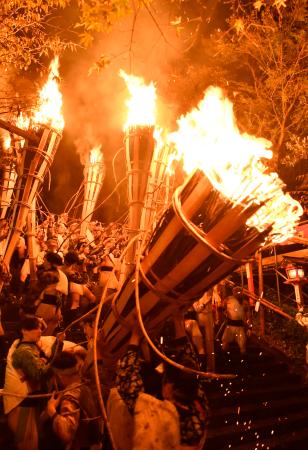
x=257 y=394
x=273 y=408
x=255 y=431
x=246 y=385
x=258 y=369
x=292 y=440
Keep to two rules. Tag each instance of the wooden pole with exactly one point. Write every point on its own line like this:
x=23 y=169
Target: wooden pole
x=209 y=337
x=8 y=180
x=277 y=277
x=20 y=132
x=261 y=292
x=31 y=238
x=251 y=287
x=158 y=183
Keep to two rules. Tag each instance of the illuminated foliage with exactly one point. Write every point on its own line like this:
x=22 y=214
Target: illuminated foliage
x=32 y=29
x=258 y=53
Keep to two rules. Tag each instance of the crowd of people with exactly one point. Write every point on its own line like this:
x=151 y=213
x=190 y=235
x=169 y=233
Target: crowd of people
x=50 y=394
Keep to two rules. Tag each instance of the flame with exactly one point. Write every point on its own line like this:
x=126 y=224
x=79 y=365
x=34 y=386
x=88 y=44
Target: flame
x=208 y=138
x=163 y=151
x=159 y=141
x=95 y=154
x=7 y=141
x=22 y=121
x=142 y=103
x=49 y=112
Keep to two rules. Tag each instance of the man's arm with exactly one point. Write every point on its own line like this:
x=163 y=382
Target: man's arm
x=129 y=381
x=34 y=368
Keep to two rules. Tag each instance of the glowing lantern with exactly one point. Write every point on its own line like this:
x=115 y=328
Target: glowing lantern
x=296 y=277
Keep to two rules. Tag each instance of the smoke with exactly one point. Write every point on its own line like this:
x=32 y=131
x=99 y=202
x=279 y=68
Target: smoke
x=95 y=110
x=94 y=102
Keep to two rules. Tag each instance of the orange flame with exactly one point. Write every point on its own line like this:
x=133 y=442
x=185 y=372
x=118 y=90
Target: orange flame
x=22 y=121
x=50 y=109
x=208 y=138
x=7 y=141
x=163 y=151
x=95 y=154
x=142 y=103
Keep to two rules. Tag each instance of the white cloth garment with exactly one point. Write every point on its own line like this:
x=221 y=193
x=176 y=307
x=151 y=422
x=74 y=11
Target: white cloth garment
x=13 y=383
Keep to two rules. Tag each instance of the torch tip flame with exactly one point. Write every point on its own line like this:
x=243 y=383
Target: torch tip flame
x=96 y=154
x=50 y=108
x=208 y=138
x=142 y=101
x=22 y=121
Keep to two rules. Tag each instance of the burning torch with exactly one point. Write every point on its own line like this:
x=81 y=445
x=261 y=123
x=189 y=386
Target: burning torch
x=139 y=139
x=37 y=155
x=222 y=213
x=94 y=173
x=8 y=176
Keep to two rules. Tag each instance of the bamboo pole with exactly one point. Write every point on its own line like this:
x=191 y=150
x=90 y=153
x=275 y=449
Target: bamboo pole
x=31 y=238
x=277 y=277
x=8 y=180
x=139 y=152
x=93 y=176
x=158 y=183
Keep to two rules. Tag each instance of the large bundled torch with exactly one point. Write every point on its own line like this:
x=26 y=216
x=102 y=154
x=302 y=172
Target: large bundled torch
x=37 y=156
x=94 y=174
x=9 y=160
x=139 y=151
x=8 y=177
x=221 y=214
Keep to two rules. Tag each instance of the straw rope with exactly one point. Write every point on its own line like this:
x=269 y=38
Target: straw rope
x=197 y=233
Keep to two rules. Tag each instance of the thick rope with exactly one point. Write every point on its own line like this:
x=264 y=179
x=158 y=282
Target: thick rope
x=153 y=346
